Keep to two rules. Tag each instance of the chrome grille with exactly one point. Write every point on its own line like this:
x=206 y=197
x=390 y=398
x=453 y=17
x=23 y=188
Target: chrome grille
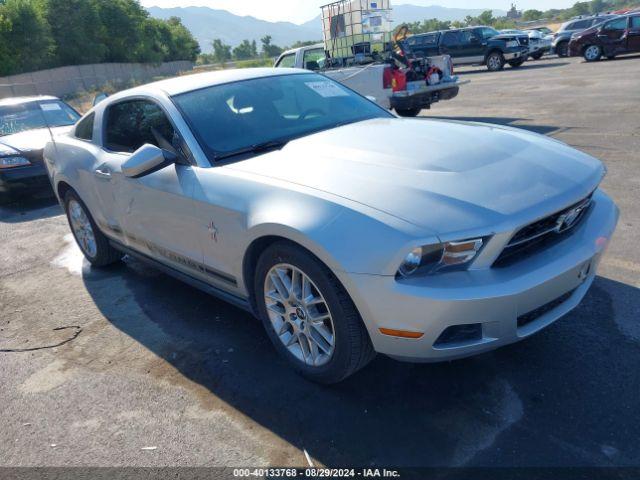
x=541 y=233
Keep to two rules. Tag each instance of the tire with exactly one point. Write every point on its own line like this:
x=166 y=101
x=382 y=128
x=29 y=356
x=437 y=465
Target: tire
x=408 y=112
x=537 y=56
x=516 y=63
x=495 y=61
x=562 y=49
x=352 y=348
x=100 y=253
x=592 y=53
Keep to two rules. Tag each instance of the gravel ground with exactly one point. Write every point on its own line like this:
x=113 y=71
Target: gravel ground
x=162 y=374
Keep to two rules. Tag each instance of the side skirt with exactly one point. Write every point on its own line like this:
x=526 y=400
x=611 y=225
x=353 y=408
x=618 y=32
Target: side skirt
x=239 y=302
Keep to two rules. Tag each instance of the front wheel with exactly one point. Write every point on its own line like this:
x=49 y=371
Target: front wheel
x=92 y=242
x=516 y=63
x=592 y=53
x=562 y=49
x=408 y=112
x=495 y=61
x=309 y=317
x=537 y=56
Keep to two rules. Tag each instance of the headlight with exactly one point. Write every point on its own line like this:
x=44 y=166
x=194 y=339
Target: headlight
x=430 y=259
x=10 y=162
x=512 y=44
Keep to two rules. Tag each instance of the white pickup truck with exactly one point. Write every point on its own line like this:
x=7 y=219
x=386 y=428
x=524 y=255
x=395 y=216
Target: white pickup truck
x=376 y=80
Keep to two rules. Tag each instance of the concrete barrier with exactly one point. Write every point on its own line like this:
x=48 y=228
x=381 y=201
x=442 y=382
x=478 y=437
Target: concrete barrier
x=74 y=78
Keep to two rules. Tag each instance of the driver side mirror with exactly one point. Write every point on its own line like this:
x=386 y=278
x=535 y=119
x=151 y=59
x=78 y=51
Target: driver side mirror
x=145 y=160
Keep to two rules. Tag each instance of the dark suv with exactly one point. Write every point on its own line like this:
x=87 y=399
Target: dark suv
x=611 y=38
x=561 y=39
x=473 y=45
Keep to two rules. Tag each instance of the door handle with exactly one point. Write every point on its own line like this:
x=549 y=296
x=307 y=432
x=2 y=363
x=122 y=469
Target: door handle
x=106 y=174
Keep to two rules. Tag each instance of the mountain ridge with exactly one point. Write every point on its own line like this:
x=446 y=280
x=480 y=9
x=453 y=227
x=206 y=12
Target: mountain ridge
x=207 y=23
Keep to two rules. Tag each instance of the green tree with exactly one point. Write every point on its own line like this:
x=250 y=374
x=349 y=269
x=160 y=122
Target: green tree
x=531 y=15
x=245 y=50
x=77 y=31
x=221 y=51
x=269 y=50
x=122 y=29
x=182 y=45
x=25 y=37
x=598 y=6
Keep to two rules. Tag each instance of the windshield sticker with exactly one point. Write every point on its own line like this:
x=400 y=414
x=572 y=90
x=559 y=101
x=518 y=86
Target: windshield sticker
x=50 y=107
x=326 y=89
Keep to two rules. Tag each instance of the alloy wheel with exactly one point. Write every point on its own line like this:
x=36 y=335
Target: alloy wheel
x=299 y=314
x=592 y=52
x=82 y=228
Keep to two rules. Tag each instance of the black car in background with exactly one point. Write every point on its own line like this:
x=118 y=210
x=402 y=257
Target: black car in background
x=472 y=46
x=26 y=125
x=561 y=39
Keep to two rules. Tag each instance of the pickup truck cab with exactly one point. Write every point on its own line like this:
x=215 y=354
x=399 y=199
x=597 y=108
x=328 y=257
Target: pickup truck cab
x=376 y=80
x=474 y=45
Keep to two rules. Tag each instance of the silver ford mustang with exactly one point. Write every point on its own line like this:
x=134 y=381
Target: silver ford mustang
x=347 y=231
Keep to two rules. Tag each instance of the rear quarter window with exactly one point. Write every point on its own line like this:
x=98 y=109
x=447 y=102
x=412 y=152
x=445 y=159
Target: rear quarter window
x=84 y=128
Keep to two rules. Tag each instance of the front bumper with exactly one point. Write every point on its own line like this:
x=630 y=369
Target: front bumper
x=540 y=289
x=523 y=52
x=29 y=177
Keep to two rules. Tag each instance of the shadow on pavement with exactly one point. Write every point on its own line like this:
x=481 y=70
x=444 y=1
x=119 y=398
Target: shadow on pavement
x=558 y=398
x=526 y=66
x=24 y=207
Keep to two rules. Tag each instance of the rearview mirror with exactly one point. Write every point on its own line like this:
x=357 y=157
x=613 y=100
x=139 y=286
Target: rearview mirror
x=145 y=160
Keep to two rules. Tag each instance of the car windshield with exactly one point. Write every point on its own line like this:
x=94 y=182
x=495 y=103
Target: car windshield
x=33 y=115
x=237 y=117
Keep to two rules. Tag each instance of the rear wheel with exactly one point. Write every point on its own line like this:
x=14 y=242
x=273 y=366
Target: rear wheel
x=562 y=49
x=495 y=61
x=93 y=244
x=408 y=112
x=308 y=315
x=592 y=53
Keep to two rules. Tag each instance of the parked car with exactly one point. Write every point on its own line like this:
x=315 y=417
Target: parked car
x=561 y=39
x=614 y=37
x=345 y=229
x=538 y=46
x=376 y=81
x=474 y=45
x=26 y=125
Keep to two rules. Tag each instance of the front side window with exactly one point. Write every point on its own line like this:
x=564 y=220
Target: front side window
x=618 y=24
x=34 y=115
x=467 y=37
x=287 y=61
x=635 y=22
x=131 y=124
x=84 y=129
x=234 y=116
x=489 y=32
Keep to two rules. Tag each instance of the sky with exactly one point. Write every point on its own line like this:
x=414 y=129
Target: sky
x=300 y=11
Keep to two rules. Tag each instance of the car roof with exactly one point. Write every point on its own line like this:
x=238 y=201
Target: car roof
x=188 y=83
x=26 y=99
x=306 y=47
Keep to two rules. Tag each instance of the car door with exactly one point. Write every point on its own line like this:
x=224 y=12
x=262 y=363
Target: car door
x=451 y=45
x=470 y=49
x=613 y=36
x=154 y=214
x=633 y=34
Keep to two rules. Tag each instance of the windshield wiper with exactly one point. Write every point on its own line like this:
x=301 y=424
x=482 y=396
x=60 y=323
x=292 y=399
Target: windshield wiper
x=256 y=148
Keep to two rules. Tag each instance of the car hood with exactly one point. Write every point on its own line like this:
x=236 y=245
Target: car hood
x=446 y=176
x=29 y=140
